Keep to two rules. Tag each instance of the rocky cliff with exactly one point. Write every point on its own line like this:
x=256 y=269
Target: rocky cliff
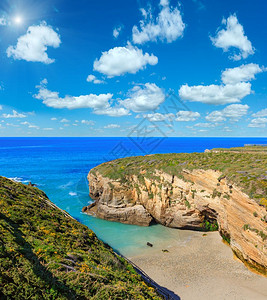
x=190 y=198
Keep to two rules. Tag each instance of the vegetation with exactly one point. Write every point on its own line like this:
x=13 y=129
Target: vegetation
x=248 y=148
x=226 y=238
x=258 y=232
x=45 y=254
x=245 y=166
x=209 y=225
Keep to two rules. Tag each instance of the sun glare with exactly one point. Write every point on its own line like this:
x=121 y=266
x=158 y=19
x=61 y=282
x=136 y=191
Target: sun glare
x=18 y=20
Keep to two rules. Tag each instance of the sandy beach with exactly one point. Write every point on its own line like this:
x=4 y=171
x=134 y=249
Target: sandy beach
x=201 y=267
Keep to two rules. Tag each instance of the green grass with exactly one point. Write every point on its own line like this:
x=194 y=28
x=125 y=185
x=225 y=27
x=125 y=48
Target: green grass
x=44 y=254
x=247 y=169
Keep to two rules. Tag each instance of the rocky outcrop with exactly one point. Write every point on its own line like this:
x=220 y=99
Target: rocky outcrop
x=188 y=200
x=114 y=204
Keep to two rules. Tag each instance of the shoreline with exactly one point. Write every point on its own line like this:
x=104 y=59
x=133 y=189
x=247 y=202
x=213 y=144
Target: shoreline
x=201 y=267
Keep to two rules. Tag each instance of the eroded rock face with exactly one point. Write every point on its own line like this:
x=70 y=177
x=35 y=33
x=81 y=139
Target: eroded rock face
x=186 y=202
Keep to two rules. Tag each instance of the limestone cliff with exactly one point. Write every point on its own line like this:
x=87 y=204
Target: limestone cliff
x=187 y=200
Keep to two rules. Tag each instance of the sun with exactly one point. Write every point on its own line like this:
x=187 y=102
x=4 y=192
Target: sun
x=18 y=20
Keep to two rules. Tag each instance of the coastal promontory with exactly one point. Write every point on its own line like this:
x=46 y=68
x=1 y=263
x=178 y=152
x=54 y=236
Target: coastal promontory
x=221 y=189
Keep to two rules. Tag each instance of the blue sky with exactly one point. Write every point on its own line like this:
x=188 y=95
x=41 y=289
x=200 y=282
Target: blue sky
x=109 y=68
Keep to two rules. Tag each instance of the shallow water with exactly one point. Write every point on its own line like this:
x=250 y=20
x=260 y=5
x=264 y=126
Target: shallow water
x=59 y=167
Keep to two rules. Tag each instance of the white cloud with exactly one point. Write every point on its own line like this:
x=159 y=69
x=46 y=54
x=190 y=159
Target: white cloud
x=14 y=114
x=52 y=99
x=34 y=126
x=53 y=119
x=64 y=121
x=3 y=21
x=1 y=107
x=234 y=88
x=88 y=122
x=260 y=114
x=48 y=129
x=259 y=122
x=117 y=31
x=30 y=125
x=215 y=94
x=242 y=73
x=101 y=104
x=233 y=36
x=157 y=117
x=112 y=126
x=11 y=125
x=205 y=125
x=186 y=116
x=120 y=60
x=167 y=26
x=227 y=129
x=113 y=111
x=144 y=98
x=92 y=78
x=215 y=116
x=33 y=45
x=233 y=112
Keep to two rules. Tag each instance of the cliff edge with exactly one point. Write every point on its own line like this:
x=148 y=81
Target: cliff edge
x=224 y=190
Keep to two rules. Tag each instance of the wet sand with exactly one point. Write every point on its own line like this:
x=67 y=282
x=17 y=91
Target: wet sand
x=201 y=267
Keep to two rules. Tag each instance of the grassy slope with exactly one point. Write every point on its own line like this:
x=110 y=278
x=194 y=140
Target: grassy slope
x=46 y=255
x=247 y=169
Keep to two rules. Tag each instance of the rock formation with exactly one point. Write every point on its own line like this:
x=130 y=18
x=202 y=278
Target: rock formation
x=188 y=200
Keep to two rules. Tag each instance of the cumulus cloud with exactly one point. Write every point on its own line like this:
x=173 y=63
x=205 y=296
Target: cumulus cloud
x=1 y=107
x=88 y=122
x=64 y=121
x=120 y=60
x=53 y=119
x=233 y=36
x=52 y=99
x=167 y=26
x=243 y=73
x=260 y=114
x=14 y=114
x=112 y=126
x=33 y=45
x=113 y=111
x=258 y=123
x=144 y=98
x=117 y=31
x=158 y=117
x=234 y=87
x=101 y=104
x=215 y=94
x=186 y=116
x=92 y=78
x=233 y=112
x=30 y=125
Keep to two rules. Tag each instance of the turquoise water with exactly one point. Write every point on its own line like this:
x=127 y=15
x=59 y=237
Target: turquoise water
x=59 y=167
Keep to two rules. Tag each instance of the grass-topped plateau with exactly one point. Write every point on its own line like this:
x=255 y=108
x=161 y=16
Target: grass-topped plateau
x=244 y=166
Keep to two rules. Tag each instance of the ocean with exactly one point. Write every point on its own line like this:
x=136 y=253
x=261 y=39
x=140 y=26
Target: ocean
x=59 y=166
